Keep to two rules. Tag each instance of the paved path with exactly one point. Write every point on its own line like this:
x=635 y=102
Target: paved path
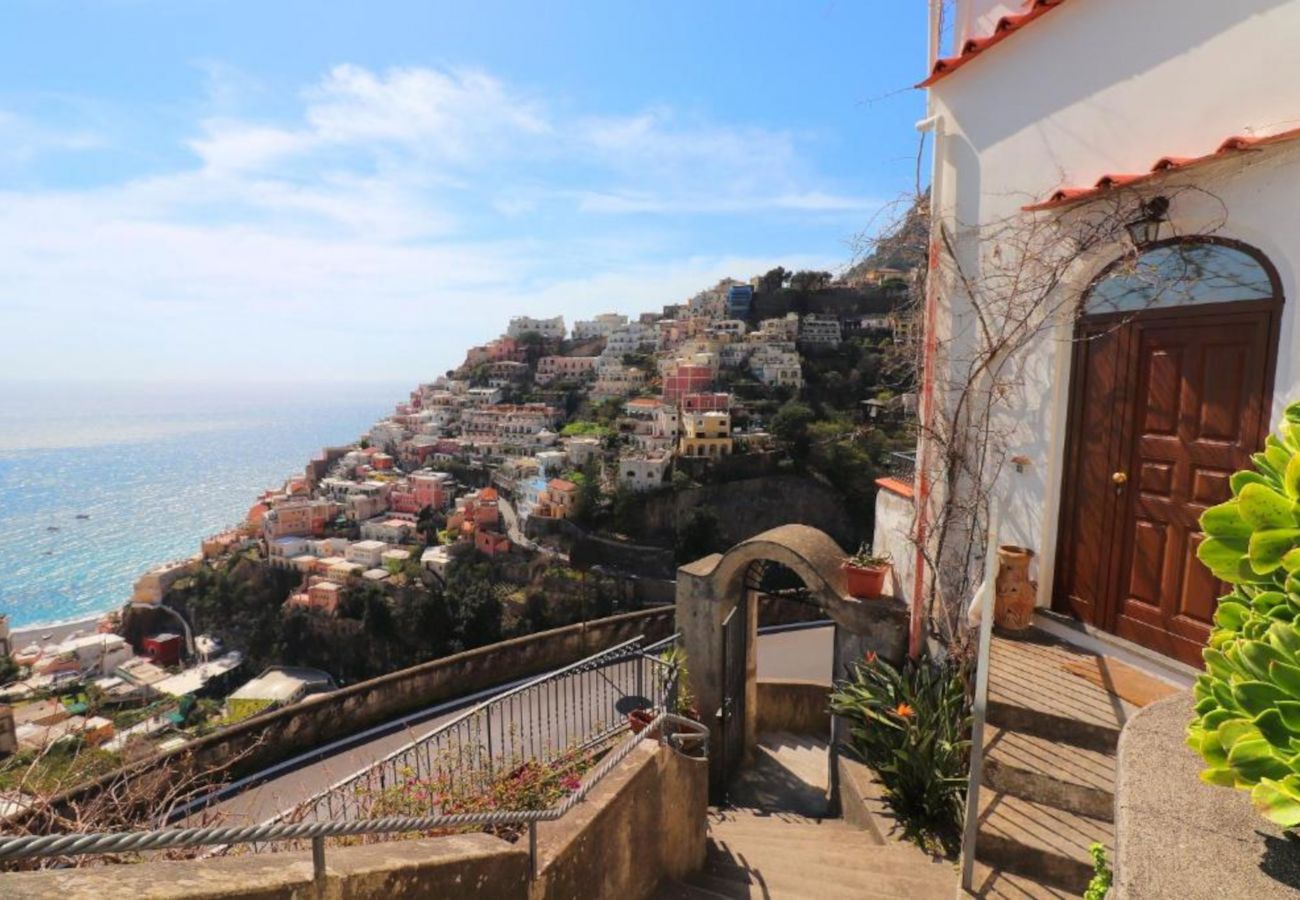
x=794 y=654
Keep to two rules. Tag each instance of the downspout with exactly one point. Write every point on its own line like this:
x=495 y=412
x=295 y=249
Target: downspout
x=932 y=123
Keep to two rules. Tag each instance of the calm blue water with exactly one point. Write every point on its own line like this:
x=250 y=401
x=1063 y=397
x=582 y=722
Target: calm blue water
x=155 y=467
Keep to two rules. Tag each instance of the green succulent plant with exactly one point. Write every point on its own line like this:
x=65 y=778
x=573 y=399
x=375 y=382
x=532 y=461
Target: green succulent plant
x=1247 y=725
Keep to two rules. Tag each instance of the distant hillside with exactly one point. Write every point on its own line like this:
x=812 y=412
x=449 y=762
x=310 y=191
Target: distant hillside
x=902 y=246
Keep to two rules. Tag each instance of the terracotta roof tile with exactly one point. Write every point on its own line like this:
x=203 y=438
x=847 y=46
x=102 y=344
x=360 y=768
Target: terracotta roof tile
x=973 y=47
x=1233 y=145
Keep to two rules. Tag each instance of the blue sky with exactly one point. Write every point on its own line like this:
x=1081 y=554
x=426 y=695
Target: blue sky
x=334 y=191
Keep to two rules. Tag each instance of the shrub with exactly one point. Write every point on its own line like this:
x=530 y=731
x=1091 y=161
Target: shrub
x=913 y=727
x=1102 y=875
x=1247 y=725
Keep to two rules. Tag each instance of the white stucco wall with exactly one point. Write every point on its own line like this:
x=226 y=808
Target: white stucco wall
x=895 y=518
x=1110 y=86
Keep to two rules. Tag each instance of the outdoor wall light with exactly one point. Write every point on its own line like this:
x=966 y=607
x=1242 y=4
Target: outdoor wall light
x=1145 y=229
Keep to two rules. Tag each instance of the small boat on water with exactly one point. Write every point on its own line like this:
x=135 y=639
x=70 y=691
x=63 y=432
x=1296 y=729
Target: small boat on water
x=51 y=527
x=83 y=515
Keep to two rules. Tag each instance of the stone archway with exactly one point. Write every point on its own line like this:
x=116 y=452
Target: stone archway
x=710 y=588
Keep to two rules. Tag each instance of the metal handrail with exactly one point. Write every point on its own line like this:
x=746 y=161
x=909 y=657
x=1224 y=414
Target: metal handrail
x=979 y=706
x=34 y=846
x=475 y=734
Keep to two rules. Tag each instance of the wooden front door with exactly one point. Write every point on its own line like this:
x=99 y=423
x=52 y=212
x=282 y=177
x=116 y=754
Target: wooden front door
x=1166 y=404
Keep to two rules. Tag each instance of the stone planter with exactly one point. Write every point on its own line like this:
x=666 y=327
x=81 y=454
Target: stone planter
x=865 y=582
x=1014 y=607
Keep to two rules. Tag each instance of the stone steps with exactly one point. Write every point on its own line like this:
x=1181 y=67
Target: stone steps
x=1048 y=788
x=781 y=843
x=1076 y=779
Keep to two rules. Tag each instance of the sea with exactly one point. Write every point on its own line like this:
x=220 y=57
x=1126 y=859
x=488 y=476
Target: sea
x=151 y=469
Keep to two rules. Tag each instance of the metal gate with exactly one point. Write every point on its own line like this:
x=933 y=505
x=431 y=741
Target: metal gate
x=735 y=635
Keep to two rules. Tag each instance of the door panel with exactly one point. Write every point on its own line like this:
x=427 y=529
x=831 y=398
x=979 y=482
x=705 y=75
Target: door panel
x=1084 y=557
x=1174 y=401
x=1199 y=387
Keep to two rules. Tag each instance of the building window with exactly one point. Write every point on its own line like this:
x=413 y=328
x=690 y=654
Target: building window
x=1180 y=273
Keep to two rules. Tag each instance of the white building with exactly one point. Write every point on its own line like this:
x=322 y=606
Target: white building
x=581 y=450
x=437 y=560
x=599 y=327
x=366 y=553
x=776 y=367
x=386 y=530
x=552 y=329
x=644 y=471
x=818 y=330
x=630 y=338
x=1164 y=133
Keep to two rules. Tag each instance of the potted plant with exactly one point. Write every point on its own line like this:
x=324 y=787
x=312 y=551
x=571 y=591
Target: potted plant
x=639 y=719
x=865 y=573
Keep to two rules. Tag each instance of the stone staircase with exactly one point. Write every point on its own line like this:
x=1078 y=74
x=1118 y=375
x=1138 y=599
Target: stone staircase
x=1054 y=719
x=775 y=840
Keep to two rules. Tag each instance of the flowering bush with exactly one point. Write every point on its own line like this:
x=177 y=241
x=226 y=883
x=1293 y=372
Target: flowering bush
x=518 y=785
x=913 y=727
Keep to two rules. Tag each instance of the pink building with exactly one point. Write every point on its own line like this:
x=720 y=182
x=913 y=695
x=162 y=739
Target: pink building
x=707 y=402
x=490 y=542
x=687 y=378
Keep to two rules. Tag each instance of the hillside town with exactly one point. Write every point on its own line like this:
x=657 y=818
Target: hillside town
x=494 y=500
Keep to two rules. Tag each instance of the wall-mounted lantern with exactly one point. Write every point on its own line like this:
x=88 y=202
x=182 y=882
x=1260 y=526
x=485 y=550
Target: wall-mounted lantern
x=1145 y=229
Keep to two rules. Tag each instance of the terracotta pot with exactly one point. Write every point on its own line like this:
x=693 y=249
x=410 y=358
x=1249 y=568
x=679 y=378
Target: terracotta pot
x=639 y=719
x=865 y=582
x=1013 y=609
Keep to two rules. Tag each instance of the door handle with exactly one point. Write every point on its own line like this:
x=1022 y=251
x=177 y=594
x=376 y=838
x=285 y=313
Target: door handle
x=1119 y=478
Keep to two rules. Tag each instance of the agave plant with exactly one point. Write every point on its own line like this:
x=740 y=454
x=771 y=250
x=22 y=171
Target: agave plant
x=1247 y=725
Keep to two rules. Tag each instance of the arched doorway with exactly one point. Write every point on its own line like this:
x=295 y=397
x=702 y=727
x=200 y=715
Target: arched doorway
x=717 y=615
x=1171 y=381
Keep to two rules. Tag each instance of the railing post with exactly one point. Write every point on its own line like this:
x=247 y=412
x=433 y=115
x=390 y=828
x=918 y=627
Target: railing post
x=979 y=705
x=532 y=851
x=318 y=864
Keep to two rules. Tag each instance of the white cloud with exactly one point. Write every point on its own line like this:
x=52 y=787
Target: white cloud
x=400 y=209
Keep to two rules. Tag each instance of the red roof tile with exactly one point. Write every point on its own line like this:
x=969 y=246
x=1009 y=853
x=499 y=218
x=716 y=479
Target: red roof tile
x=1007 y=26
x=1233 y=145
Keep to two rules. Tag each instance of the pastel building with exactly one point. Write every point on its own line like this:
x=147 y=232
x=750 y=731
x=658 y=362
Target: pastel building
x=686 y=378
x=599 y=327
x=705 y=434
x=570 y=368
x=551 y=329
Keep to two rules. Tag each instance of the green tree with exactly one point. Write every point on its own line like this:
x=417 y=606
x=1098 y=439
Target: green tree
x=698 y=535
x=472 y=603
x=773 y=280
x=790 y=426
x=427 y=523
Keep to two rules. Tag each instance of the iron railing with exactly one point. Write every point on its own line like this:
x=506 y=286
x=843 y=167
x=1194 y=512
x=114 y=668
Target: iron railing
x=901 y=465
x=665 y=727
x=573 y=709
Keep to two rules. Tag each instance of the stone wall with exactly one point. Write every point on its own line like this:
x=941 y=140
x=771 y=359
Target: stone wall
x=465 y=865
x=747 y=508
x=265 y=740
x=1178 y=837
x=800 y=707
x=646 y=822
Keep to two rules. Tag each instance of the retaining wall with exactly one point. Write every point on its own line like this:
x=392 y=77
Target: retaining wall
x=264 y=740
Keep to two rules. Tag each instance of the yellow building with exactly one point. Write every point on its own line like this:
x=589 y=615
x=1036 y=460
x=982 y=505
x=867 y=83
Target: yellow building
x=705 y=434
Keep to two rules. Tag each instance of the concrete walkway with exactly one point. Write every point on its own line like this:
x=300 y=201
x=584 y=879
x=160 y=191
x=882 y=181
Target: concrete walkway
x=776 y=840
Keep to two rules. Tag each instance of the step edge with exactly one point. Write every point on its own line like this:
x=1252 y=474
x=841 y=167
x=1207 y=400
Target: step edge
x=1081 y=800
